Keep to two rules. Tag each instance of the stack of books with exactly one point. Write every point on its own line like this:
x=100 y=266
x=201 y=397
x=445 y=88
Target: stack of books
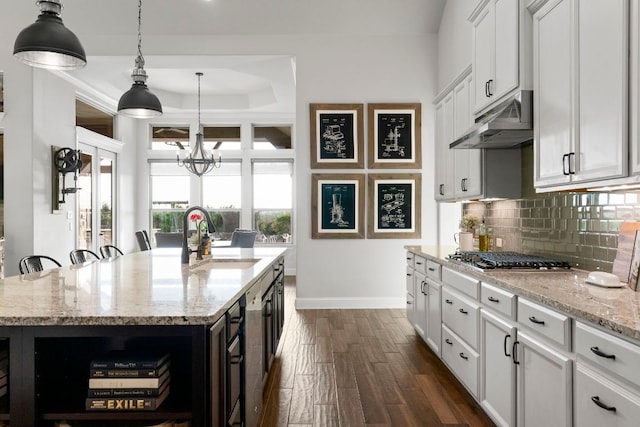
x=124 y=381
x=4 y=372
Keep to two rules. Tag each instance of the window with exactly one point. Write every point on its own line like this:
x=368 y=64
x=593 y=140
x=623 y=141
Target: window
x=222 y=197
x=271 y=137
x=252 y=189
x=169 y=196
x=273 y=200
x=170 y=138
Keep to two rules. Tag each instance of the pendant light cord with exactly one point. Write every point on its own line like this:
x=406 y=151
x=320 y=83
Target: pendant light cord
x=140 y=57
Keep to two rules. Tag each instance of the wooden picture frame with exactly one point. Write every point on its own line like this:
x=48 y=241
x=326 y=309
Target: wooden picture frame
x=634 y=267
x=394 y=206
x=337 y=206
x=337 y=136
x=395 y=136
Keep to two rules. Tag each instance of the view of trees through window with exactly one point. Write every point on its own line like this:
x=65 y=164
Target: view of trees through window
x=267 y=193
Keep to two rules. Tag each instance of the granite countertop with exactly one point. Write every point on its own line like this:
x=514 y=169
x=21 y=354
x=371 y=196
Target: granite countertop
x=616 y=309
x=141 y=288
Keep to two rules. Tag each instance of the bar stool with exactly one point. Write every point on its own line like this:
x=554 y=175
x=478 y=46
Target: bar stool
x=78 y=256
x=33 y=263
x=110 y=251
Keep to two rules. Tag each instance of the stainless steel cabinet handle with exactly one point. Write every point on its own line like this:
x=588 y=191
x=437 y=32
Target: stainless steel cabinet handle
x=596 y=400
x=597 y=351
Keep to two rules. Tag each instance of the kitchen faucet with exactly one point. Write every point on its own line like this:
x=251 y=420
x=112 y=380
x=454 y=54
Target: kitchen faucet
x=185 y=229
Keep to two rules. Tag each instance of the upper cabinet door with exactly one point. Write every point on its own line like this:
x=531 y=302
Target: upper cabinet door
x=553 y=130
x=602 y=56
x=483 y=55
x=495 y=28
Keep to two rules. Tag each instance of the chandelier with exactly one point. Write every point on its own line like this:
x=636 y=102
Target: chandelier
x=199 y=161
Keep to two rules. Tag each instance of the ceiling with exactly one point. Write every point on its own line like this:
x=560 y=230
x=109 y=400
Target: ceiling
x=263 y=83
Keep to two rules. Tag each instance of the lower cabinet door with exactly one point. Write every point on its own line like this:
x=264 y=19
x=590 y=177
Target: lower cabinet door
x=497 y=370
x=544 y=378
x=434 y=317
x=461 y=358
x=601 y=402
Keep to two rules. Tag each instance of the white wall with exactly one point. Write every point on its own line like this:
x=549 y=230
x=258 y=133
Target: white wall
x=331 y=273
x=454 y=56
x=454 y=40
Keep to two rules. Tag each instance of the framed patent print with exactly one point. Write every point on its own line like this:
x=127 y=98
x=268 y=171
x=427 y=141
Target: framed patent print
x=337 y=139
x=394 y=136
x=394 y=201
x=337 y=206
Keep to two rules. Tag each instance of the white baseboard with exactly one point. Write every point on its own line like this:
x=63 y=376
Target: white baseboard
x=348 y=303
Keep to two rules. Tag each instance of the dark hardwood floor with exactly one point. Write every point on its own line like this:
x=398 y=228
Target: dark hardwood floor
x=360 y=368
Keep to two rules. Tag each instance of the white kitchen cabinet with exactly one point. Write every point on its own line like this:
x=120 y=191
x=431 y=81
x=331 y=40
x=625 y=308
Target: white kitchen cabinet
x=580 y=57
x=444 y=156
x=467 y=180
x=434 y=317
x=606 y=388
x=421 y=297
x=497 y=370
x=410 y=291
x=634 y=86
x=495 y=29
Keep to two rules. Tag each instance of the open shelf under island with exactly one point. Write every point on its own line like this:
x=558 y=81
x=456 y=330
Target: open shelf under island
x=55 y=322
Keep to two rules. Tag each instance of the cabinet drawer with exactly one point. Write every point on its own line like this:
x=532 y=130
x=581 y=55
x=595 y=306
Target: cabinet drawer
x=608 y=352
x=410 y=259
x=461 y=358
x=548 y=323
x=461 y=315
x=433 y=270
x=420 y=264
x=463 y=283
x=410 y=275
x=595 y=400
x=498 y=300
x=234 y=320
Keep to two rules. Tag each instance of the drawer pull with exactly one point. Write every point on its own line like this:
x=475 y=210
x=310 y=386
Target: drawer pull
x=431 y=269
x=408 y=274
x=506 y=337
x=492 y=299
x=463 y=311
x=409 y=303
x=463 y=356
x=597 y=351
x=596 y=400
x=419 y=262
x=448 y=301
x=536 y=321
x=448 y=341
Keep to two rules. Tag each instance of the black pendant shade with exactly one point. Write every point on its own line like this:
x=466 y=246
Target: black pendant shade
x=139 y=102
x=47 y=43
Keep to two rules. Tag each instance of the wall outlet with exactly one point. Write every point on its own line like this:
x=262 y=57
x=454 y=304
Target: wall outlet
x=498 y=242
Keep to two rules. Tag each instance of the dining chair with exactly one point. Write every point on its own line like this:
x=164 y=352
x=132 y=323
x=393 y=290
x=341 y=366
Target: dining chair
x=168 y=240
x=78 y=256
x=243 y=238
x=33 y=263
x=110 y=251
x=143 y=240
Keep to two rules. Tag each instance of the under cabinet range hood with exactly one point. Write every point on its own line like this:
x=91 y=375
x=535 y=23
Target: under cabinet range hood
x=507 y=125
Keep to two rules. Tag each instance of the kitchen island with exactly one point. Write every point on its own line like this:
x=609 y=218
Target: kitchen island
x=54 y=322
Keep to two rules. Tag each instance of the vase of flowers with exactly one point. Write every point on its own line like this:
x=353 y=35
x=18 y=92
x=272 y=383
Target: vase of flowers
x=198 y=219
x=464 y=238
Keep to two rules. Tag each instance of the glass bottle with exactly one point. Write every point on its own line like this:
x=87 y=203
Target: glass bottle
x=483 y=237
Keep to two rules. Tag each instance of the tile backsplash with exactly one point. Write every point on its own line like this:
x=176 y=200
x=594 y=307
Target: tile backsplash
x=580 y=228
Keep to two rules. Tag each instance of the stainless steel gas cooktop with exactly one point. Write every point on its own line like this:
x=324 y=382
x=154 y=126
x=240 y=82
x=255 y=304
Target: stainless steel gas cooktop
x=507 y=260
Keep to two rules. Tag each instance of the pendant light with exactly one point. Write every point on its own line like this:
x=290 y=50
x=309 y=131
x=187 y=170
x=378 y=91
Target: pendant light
x=47 y=43
x=138 y=102
x=199 y=161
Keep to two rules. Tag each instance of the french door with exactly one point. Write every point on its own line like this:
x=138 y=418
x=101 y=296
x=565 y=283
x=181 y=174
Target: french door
x=95 y=207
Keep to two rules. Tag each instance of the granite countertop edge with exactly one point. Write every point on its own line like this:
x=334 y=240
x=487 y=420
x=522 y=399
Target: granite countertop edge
x=563 y=291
